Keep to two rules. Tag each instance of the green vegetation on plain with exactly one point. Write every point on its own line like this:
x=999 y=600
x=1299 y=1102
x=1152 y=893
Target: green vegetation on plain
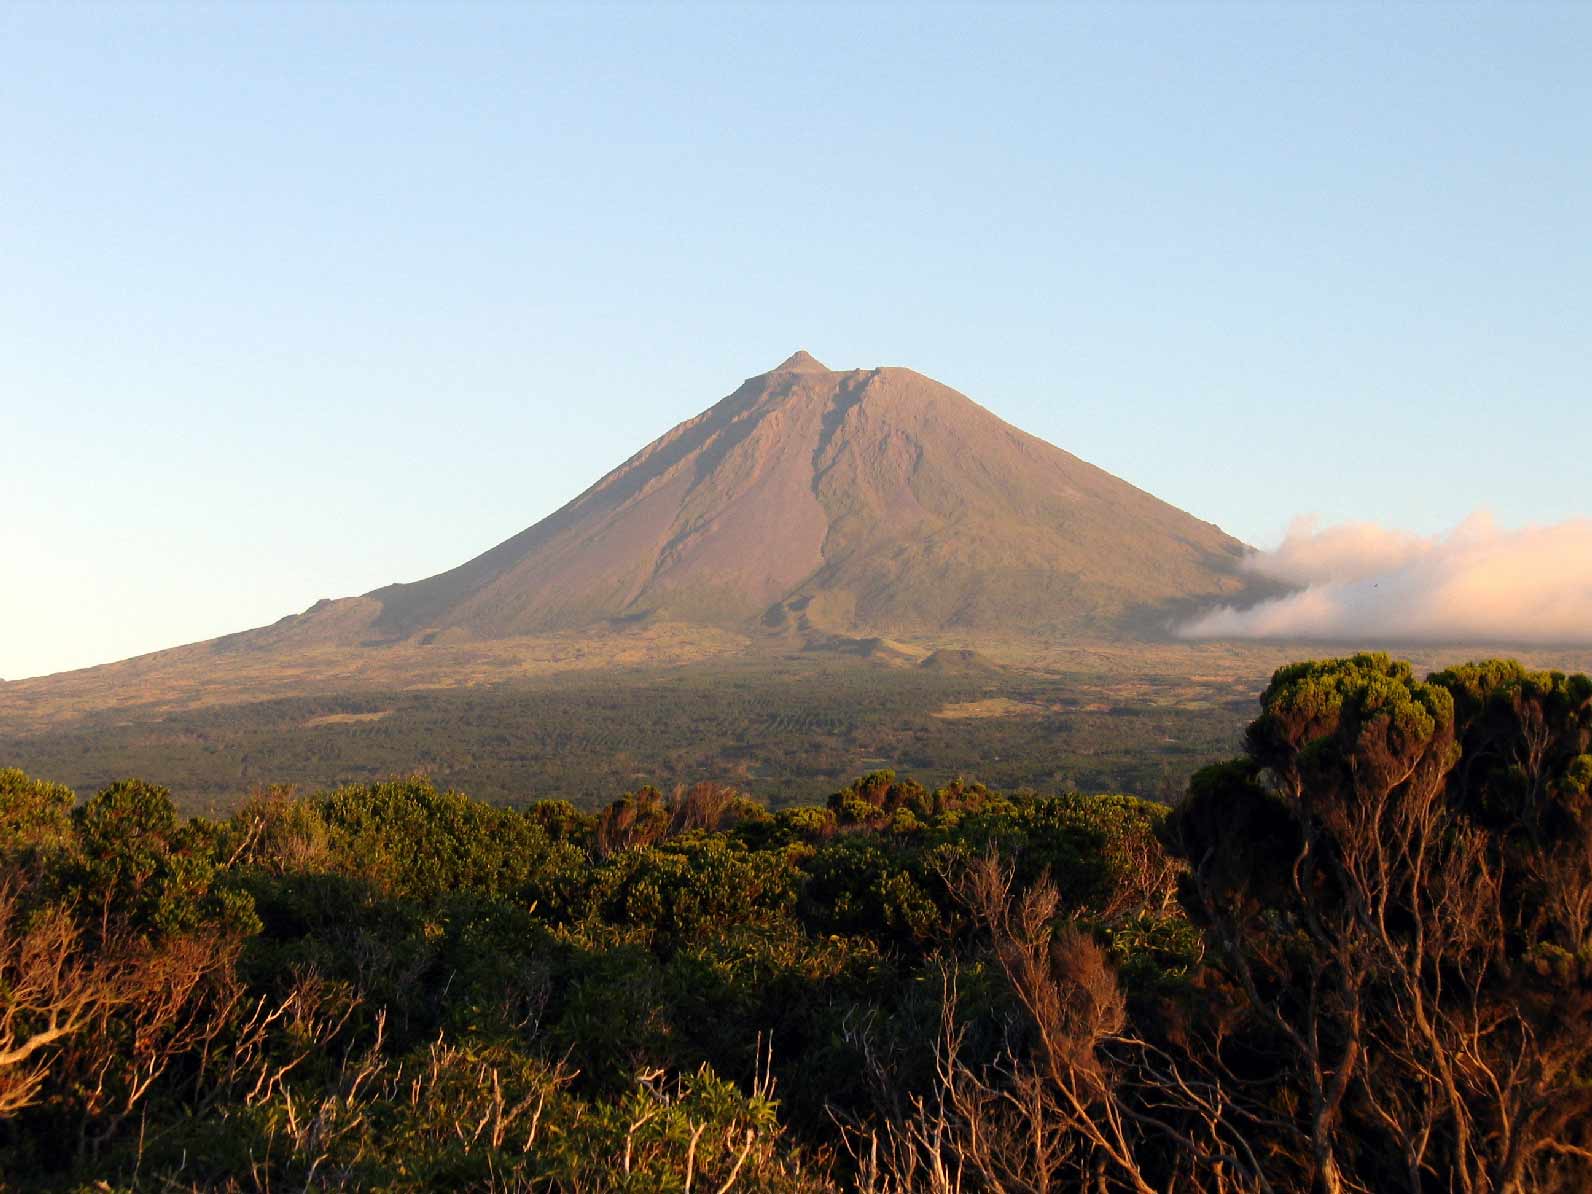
x=1356 y=957
x=786 y=735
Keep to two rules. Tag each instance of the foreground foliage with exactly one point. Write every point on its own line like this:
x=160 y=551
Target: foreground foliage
x=1357 y=958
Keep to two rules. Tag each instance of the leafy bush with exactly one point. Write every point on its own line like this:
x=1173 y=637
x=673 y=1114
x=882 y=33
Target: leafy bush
x=388 y=986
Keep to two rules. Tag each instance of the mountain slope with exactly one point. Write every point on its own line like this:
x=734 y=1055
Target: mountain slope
x=865 y=501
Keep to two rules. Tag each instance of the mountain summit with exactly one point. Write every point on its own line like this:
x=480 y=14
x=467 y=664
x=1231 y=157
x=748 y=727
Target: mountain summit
x=871 y=501
x=800 y=361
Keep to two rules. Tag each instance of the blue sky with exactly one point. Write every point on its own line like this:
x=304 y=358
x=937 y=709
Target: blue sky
x=299 y=300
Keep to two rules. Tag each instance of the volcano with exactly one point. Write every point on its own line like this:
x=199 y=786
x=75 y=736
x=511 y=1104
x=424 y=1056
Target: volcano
x=868 y=501
x=813 y=507
x=867 y=513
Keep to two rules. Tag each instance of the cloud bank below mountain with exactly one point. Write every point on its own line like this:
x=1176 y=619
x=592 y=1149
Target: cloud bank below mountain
x=1477 y=583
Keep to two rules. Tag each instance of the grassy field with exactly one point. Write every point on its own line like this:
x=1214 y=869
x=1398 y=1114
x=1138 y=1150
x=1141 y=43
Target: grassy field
x=790 y=735
x=789 y=728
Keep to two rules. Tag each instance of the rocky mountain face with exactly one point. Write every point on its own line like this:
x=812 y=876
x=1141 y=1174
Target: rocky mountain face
x=872 y=512
x=813 y=501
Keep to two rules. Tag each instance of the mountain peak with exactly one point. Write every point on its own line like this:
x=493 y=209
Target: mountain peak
x=800 y=361
x=872 y=501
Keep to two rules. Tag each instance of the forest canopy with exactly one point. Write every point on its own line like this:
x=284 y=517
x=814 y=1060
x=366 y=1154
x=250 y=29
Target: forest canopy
x=1357 y=957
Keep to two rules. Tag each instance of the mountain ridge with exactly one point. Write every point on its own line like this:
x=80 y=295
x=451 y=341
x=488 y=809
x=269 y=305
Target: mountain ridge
x=868 y=500
x=809 y=508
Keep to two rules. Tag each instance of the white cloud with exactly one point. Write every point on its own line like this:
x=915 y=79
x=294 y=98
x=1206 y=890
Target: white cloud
x=1477 y=583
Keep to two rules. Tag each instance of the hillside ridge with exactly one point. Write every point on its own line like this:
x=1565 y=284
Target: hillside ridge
x=877 y=500
x=809 y=509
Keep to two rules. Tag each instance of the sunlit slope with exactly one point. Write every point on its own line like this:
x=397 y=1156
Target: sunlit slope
x=873 y=510
x=873 y=501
